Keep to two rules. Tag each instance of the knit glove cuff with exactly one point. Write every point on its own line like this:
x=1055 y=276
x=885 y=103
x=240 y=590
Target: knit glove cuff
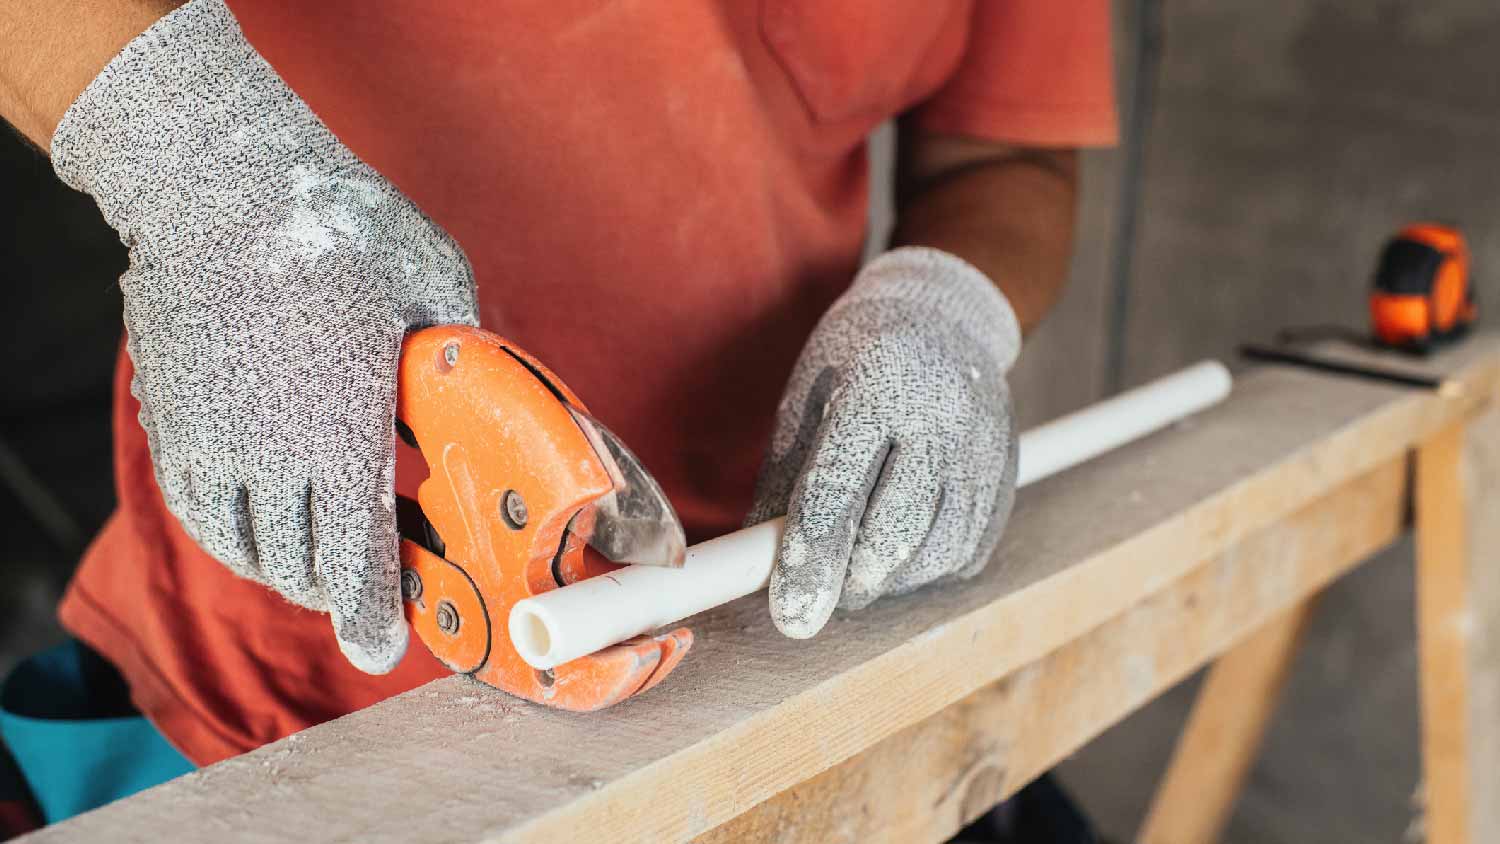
x=951 y=289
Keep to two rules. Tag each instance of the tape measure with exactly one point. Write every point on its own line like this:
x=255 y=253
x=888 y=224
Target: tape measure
x=1422 y=298
x=1423 y=295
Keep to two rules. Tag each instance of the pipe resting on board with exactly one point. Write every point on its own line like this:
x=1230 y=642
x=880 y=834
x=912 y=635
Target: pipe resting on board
x=566 y=623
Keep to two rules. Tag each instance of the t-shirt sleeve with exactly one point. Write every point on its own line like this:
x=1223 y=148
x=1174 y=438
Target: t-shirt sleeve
x=1036 y=72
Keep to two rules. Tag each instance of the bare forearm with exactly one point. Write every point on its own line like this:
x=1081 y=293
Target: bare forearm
x=1008 y=211
x=52 y=49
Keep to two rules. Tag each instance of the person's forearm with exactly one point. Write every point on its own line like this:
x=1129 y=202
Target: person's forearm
x=52 y=49
x=1008 y=211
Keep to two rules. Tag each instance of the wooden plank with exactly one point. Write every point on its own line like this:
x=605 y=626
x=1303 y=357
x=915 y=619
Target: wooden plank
x=1223 y=733
x=751 y=713
x=927 y=781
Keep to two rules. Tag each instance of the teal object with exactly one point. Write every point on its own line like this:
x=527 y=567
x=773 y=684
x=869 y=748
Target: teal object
x=66 y=717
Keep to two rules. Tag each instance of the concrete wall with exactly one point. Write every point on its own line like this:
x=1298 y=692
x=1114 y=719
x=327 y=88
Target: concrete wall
x=1287 y=139
x=1283 y=142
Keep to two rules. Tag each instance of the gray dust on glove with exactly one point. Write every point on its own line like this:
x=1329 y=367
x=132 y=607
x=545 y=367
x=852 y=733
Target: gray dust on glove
x=272 y=277
x=894 y=452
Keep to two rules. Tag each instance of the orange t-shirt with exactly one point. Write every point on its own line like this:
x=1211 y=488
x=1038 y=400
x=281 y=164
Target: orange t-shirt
x=659 y=201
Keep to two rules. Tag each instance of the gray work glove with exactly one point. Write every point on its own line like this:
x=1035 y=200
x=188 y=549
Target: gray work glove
x=272 y=277
x=894 y=454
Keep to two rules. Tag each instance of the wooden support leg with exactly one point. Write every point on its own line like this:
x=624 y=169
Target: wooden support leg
x=1458 y=617
x=1442 y=562
x=1223 y=733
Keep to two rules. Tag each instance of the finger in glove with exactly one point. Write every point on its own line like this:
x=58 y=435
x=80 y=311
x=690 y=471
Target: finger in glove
x=896 y=523
x=827 y=505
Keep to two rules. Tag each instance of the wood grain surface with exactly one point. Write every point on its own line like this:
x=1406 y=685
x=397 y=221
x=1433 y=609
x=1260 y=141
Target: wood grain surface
x=751 y=714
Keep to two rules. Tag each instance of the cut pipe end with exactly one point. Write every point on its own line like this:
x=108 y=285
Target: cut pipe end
x=532 y=637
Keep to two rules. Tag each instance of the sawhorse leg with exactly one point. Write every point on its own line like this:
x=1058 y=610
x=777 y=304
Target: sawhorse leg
x=1223 y=733
x=1456 y=495
x=1457 y=504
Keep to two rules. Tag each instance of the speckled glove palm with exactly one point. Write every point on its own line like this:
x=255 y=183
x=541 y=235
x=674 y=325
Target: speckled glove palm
x=894 y=454
x=272 y=277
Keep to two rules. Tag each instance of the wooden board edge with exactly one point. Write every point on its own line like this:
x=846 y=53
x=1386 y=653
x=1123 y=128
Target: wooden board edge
x=928 y=780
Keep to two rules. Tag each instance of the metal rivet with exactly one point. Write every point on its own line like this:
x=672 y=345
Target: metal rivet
x=447 y=618
x=514 y=509
x=546 y=678
x=411 y=584
x=450 y=353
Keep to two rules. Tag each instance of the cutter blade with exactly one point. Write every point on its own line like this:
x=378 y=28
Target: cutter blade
x=635 y=522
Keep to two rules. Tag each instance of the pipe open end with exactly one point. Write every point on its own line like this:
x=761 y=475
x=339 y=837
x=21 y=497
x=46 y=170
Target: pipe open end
x=531 y=637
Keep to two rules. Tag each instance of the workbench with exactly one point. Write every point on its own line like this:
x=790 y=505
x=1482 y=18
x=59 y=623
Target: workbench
x=1206 y=543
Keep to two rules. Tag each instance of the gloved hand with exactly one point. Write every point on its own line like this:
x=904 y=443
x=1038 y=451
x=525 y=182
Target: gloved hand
x=272 y=277
x=894 y=454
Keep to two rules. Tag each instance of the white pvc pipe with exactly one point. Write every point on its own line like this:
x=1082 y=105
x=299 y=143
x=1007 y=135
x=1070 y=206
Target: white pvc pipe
x=1083 y=435
x=569 y=622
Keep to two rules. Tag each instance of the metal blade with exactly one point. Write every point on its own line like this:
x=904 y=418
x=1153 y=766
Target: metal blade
x=635 y=522
x=412 y=524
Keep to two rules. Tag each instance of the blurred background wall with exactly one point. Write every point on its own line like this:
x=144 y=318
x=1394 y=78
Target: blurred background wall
x=1282 y=141
x=59 y=329
x=1270 y=148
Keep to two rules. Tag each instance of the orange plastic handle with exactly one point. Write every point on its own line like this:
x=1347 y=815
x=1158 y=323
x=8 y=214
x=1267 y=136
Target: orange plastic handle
x=510 y=486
